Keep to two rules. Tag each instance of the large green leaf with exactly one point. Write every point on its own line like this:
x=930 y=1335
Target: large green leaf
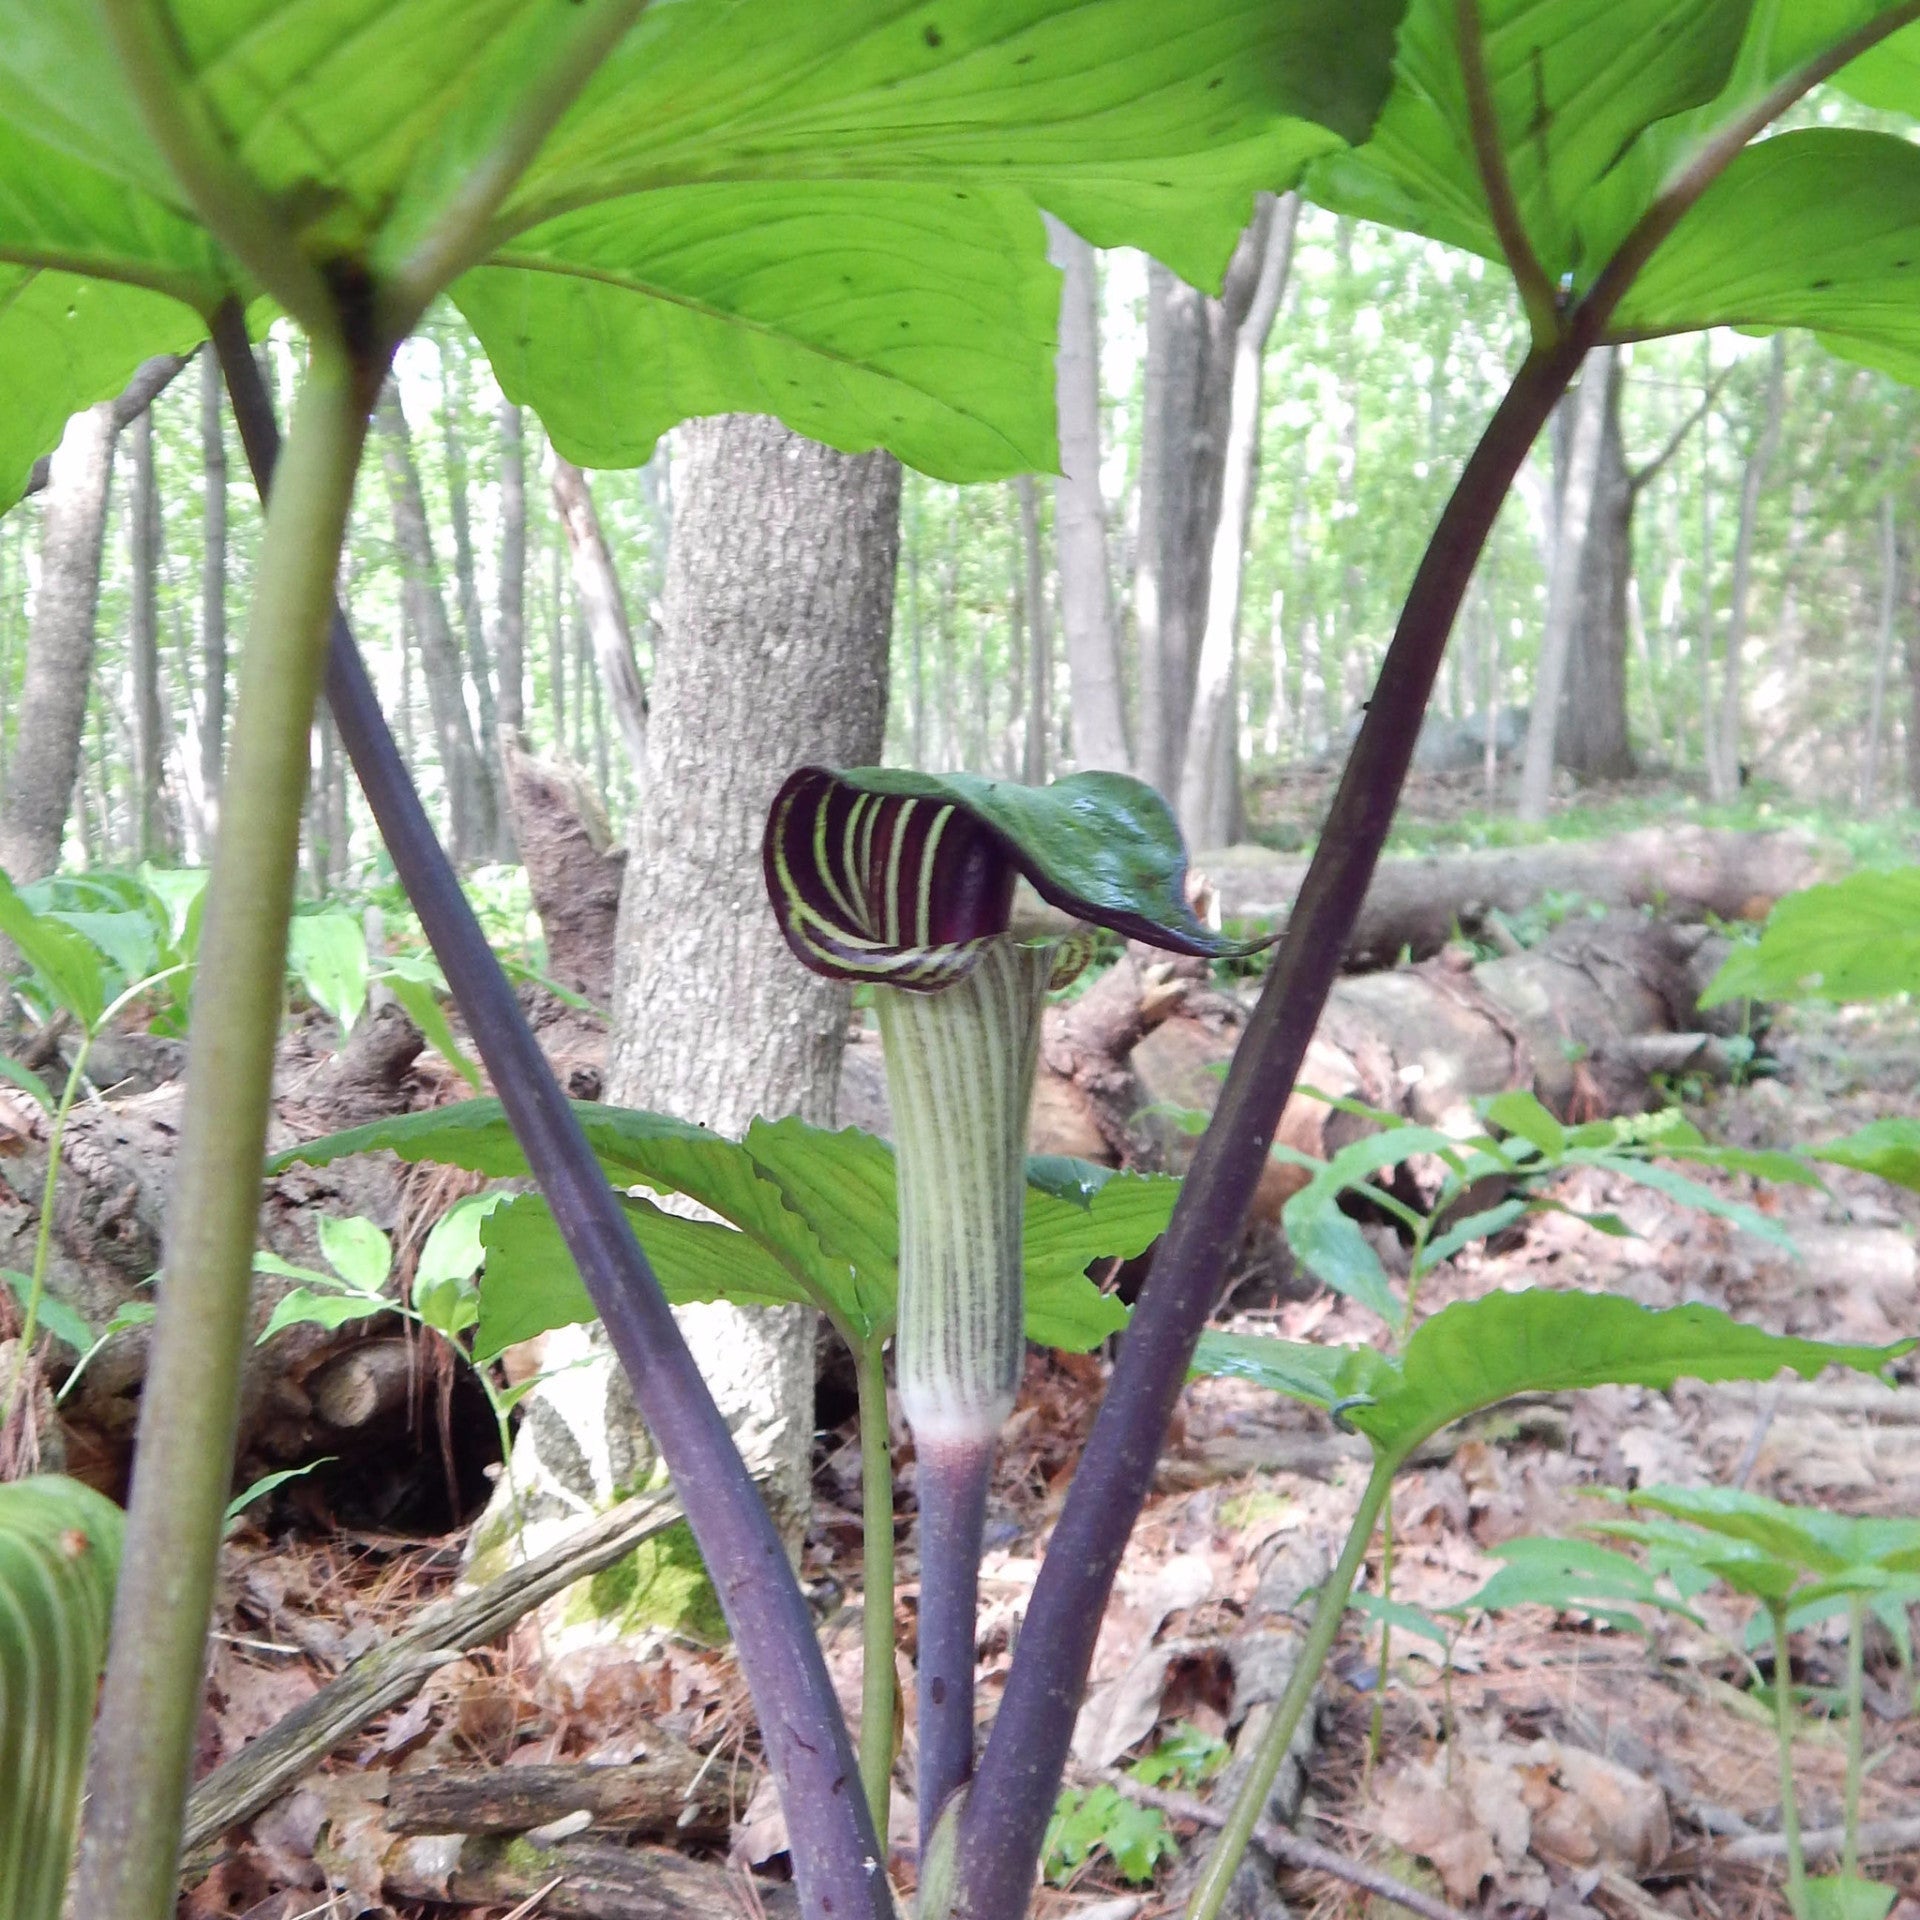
x=1810 y=1538
x=531 y=1284
x=59 y=1553
x=70 y=967
x=820 y=1205
x=1477 y=1353
x=827 y=213
x=1818 y=229
x=1573 y=83
x=1852 y=939
x=1890 y=1148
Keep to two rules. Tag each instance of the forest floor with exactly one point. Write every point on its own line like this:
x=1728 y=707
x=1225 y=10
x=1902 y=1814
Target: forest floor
x=1547 y=1764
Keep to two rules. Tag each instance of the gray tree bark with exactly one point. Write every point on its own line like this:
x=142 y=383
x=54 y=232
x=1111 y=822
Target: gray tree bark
x=1592 y=741
x=59 y=665
x=779 y=611
x=1210 y=766
x=1033 y=757
x=1882 y=651
x=513 y=573
x=1079 y=517
x=605 y=607
x=1589 y=403
x=143 y=641
x=453 y=406
x=469 y=794
x=1724 y=760
x=213 y=586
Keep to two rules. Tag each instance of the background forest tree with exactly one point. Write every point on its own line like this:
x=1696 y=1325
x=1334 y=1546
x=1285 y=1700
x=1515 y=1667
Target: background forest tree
x=1742 y=494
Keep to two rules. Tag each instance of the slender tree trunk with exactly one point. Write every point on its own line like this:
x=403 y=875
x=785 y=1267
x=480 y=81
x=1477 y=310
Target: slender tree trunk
x=1033 y=763
x=409 y=745
x=213 y=587
x=453 y=408
x=1707 y=750
x=1725 y=780
x=1152 y=671
x=143 y=639
x=1910 y=646
x=1592 y=741
x=468 y=793
x=605 y=607
x=916 y=638
x=1079 y=522
x=1210 y=769
x=1569 y=548
x=1882 y=652
x=773 y=652
x=59 y=671
x=557 y=644
x=513 y=573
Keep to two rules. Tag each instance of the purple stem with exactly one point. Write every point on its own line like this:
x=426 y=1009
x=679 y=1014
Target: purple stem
x=952 y=1483
x=1013 y=1792
x=836 y=1857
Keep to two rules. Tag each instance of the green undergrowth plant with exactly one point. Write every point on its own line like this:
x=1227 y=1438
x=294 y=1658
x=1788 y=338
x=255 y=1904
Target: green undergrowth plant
x=59 y=1556
x=1800 y=1565
x=1102 y=1820
x=1467 y=1358
x=650 y=211
x=805 y=1216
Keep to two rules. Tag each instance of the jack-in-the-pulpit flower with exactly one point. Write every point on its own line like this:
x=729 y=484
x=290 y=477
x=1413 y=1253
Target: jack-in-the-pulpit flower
x=908 y=881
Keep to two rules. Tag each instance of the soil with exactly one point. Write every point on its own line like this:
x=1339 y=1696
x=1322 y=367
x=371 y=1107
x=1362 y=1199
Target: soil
x=1553 y=1765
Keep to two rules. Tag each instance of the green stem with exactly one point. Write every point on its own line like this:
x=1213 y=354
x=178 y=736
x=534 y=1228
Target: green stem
x=1249 y=1807
x=1783 y=1734
x=43 y=1239
x=1856 y=1687
x=876 y=1522
x=1376 y=1732
x=183 y=1466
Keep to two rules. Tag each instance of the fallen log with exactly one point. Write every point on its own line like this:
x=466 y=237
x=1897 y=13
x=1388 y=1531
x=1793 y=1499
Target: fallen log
x=1418 y=902
x=586 y=1878
x=668 y=1791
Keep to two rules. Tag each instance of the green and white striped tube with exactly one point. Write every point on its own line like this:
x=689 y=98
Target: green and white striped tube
x=960 y=1066
x=59 y=1555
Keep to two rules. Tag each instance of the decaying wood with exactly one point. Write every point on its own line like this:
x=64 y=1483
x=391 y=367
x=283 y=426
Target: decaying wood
x=261 y=1772
x=574 y=870
x=1879 y=1839
x=1417 y=902
x=589 y=1879
x=668 y=1790
x=356 y=1388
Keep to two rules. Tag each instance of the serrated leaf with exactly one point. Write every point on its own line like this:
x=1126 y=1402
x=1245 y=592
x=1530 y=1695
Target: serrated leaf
x=302 y=1307
x=59 y=1556
x=356 y=1250
x=1690 y=1193
x=327 y=955
x=1890 y=1148
x=1810 y=1539
x=1851 y=939
x=1477 y=1353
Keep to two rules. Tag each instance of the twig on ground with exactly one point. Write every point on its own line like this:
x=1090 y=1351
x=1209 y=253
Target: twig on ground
x=257 y=1776
x=1296 y=1851
x=1876 y=1837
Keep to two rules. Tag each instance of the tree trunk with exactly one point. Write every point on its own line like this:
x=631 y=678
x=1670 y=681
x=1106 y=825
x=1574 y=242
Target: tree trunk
x=1725 y=770
x=1882 y=652
x=469 y=796
x=1033 y=760
x=1706 y=566
x=213 y=585
x=143 y=641
x=59 y=671
x=773 y=652
x=605 y=607
x=1079 y=517
x=1589 y=404
x=557 y=646
x=453 y=403
x=1151 y=672
x=1592 y=741
x=513 y=574
x=1210 y=771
